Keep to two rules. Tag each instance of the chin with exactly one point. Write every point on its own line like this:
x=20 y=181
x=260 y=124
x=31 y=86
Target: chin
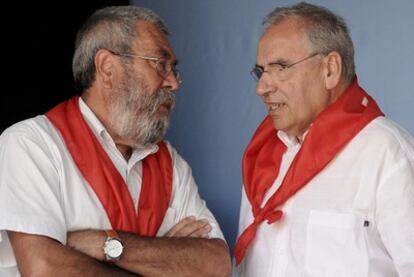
x=278 y=125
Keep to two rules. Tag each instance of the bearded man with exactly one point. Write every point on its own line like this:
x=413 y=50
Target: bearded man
x=90 y=188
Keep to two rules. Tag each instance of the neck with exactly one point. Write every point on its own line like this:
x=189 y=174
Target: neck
x=338 y=90
x=125 y=150
x=298 y=137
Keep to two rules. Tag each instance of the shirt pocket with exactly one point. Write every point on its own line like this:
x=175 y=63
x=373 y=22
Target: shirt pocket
x=336 y=245
x=168 y=222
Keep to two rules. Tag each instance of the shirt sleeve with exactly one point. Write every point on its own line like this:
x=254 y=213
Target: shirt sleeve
x=30 y=194
x=395 y=213
x=186 y=200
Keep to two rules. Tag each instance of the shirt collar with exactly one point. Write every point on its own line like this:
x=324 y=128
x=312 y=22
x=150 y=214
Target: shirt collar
x=93 y=122
x=291 y=141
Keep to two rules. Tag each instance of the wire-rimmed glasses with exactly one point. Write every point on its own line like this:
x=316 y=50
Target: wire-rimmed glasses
x=277 y=69
x=162 y=67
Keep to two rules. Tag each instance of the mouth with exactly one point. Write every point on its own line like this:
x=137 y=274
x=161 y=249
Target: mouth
x=165 y=107
x=274 y=107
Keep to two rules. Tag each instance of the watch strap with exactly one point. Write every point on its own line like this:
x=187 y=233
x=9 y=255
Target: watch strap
x=112 y=234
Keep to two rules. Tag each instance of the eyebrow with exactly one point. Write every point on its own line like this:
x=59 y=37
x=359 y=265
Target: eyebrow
x=166 y=55
x=280 y=61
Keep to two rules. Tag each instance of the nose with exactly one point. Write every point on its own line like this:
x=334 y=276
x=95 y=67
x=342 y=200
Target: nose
x=264 y=85
x=171 y=82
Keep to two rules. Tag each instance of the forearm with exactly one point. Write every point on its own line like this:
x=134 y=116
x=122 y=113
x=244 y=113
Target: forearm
x=42 y=256
x=72 y=263
x=175 y=256
x=69 y=262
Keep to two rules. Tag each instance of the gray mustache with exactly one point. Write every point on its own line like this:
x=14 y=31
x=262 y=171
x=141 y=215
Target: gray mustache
x=164 y=96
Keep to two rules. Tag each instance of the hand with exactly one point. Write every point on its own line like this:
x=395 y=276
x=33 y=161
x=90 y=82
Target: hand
x=190 y=227
x=89 y=242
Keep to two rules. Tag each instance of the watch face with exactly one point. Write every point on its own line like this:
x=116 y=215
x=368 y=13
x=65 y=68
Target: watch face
x=113 y=248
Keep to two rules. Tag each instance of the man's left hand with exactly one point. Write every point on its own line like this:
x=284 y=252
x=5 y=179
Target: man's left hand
x=190 y=227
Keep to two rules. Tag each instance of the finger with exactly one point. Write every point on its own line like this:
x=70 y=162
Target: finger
x=202 y=232
x=192 y=227
x=173 y=231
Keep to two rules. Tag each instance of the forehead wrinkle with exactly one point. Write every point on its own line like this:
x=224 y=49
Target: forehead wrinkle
x=153 y=40
x=283 y=42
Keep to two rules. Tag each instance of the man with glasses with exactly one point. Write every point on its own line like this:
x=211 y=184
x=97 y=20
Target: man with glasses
x=328 y=180
x=90 y=188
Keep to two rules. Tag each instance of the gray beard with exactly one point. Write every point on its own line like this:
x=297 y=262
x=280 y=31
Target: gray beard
x=133 y=112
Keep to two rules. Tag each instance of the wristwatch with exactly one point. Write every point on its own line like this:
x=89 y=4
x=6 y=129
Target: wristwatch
x=113 y=247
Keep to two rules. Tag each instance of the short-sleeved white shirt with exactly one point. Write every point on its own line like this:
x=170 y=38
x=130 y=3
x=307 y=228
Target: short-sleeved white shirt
x=354 y=219
x=42 y=192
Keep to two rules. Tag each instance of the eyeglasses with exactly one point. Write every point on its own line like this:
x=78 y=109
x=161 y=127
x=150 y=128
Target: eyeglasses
x=277 y=69
x=162 y=67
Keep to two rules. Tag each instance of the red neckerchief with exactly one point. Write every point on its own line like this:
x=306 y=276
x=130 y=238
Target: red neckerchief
x=100 y=173
x=331 y=131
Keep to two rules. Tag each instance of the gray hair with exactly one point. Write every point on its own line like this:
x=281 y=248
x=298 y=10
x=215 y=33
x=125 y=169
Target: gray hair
x=325 y=30
x=112 y=28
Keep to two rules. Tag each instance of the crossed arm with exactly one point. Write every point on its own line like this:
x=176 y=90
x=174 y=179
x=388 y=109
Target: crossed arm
x=43 y=256
x=184 y=251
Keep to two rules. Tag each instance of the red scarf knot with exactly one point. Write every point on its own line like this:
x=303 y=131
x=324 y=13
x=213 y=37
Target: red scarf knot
x=274 y=216
x=259 y=218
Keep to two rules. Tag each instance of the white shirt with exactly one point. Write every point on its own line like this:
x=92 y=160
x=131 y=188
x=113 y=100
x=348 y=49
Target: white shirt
x=354 y=219
x=42 y=192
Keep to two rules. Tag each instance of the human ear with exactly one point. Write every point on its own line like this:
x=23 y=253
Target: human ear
x=104 y=66
x=332 y=63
